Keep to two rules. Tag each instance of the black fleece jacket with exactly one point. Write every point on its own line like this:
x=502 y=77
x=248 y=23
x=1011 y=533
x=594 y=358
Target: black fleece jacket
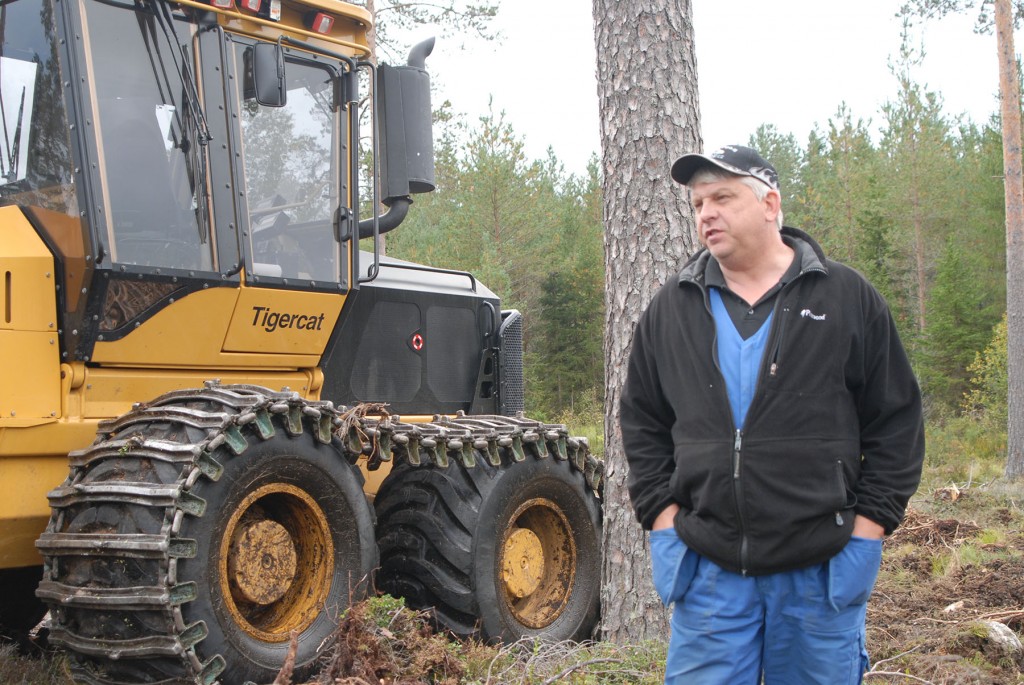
x=835 y=427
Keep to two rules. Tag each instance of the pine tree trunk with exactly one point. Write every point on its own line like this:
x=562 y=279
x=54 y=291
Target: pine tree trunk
x=647 y=92
x=1009 y=90
x=921 y=267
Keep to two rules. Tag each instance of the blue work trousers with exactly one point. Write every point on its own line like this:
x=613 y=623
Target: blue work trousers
x=802 y=627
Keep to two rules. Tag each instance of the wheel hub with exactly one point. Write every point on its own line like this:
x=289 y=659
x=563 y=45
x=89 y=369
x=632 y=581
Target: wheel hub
x=276 y=560
x=263 y=562
x=523 y=563
x=538 y=563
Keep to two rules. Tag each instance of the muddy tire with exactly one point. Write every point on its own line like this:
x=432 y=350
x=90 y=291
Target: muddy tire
x=198 y=533
x=498 y=552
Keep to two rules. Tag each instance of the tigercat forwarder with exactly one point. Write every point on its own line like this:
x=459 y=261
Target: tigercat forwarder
x=220 y=422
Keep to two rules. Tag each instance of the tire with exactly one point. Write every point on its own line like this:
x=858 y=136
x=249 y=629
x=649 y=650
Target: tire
x=198 y=532
x=497 y=552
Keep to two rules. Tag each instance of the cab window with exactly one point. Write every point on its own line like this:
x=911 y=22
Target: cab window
x=35 y=147
x=290 y=156
x=153 y=195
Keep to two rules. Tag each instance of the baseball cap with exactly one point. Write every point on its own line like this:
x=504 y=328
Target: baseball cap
x=736 y=159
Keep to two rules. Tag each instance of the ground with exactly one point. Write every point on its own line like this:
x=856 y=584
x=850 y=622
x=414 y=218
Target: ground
x=957 y=561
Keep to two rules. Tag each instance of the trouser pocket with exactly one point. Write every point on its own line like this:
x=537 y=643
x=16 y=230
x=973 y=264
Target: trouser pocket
x=673 y=565
x=852 y=573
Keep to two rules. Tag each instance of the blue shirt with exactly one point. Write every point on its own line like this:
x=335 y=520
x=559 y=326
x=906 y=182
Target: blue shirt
x=738 y=359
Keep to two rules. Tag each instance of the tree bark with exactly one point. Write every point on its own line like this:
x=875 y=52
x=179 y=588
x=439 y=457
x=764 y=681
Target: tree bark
x=647 y=93
x=1009 y=92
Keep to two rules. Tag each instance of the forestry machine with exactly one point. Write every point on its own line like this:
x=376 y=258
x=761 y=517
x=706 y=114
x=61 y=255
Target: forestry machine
x=220 y=422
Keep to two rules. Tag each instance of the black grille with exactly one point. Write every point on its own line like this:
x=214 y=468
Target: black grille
x=513 y=393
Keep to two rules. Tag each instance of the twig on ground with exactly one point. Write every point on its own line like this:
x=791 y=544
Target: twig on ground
x=896 y=674
x=1000 y=615
x=574 y=667
x=894 y=658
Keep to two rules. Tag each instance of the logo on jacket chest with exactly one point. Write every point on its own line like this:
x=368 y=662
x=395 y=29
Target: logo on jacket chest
x=808 y=314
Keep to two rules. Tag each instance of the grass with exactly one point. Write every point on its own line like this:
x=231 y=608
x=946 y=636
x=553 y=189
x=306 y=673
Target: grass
x=18 y=669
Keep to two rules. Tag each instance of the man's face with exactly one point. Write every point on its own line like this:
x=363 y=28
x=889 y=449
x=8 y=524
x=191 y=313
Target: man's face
x=733 y=224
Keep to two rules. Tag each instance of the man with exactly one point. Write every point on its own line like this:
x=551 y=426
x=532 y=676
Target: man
x=774 y=435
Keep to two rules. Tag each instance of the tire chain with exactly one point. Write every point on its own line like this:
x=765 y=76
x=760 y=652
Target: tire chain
x=366 y=430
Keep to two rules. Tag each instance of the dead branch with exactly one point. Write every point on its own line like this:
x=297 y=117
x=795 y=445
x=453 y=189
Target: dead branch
x=566 y=671
x=894 y=658
x=284 y=676
x=895 y=674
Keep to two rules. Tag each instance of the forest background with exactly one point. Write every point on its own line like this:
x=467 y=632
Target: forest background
x=914 y=202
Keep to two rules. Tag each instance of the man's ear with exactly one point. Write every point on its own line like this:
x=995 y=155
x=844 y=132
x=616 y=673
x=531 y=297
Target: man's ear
x=772 y=205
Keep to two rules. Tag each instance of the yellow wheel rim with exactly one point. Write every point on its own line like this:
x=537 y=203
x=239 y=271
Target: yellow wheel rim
x=537 y=563
x=276 y=562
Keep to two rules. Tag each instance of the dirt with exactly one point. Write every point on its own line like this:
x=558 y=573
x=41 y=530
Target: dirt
x=942 y=577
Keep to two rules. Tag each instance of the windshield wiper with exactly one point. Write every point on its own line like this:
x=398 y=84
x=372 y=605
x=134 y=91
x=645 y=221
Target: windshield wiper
x=195 y=129
x=12 y=152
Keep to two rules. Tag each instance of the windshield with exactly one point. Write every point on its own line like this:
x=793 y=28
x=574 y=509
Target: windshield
x=35 y=149
x=291 y=157
x=155 y=204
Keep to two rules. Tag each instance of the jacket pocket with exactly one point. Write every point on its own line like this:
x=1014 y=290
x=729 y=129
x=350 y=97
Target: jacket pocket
x=673 y=565
x=852 y=573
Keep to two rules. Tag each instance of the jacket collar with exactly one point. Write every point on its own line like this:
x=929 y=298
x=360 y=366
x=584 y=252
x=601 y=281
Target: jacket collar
x=808 y=252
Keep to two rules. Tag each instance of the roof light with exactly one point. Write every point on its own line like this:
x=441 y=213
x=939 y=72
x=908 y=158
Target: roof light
x=223 y=4
x=250 y=5
x=271 y=9
x=319 y=22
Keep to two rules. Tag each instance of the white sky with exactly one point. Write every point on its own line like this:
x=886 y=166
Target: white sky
x=788 y=62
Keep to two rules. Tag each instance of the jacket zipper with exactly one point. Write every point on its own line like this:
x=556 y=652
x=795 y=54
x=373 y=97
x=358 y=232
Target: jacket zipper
x=737 y=486
x=776 y=353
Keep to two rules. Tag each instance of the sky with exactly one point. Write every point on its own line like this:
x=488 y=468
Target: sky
x=790 y=63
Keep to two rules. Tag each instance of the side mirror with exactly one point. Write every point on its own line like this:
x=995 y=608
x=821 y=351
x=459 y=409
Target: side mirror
x=266 y=74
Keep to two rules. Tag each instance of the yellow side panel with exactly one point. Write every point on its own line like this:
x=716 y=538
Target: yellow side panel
x=283 y=321
x=24 y=509
x=108 y=393
x=190 y=333
x=30 y=383
x=27 y=292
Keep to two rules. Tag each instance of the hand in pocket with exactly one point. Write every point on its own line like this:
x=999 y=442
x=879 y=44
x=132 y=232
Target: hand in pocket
x=672 y=563
x=852 y=572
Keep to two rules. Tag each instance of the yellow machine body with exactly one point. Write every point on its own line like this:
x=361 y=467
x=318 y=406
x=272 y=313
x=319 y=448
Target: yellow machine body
x=48 y=408
x=51 y=405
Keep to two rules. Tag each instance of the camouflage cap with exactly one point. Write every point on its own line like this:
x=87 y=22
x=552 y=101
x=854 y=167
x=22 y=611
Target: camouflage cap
x=736 y=159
